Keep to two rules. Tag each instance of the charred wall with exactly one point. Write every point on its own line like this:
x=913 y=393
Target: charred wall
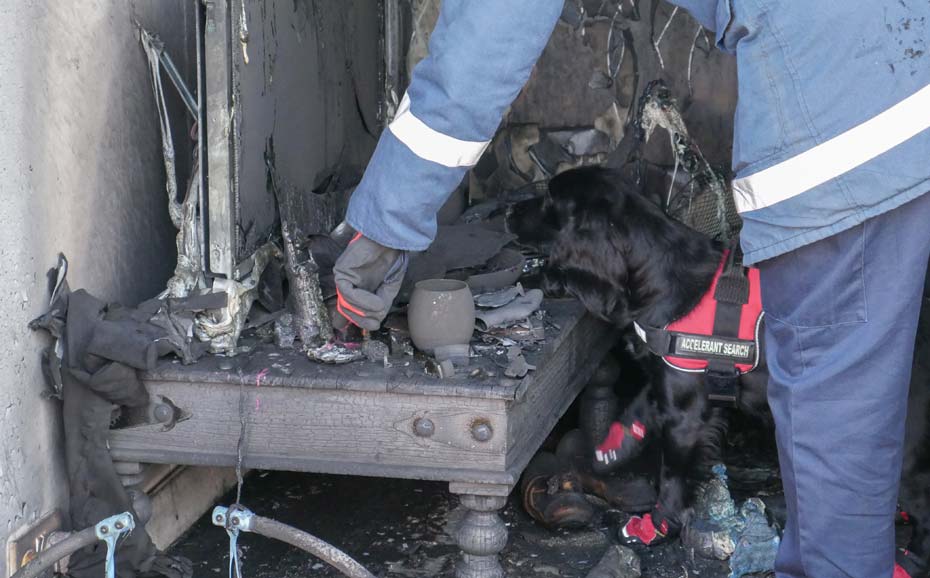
x=81 y=172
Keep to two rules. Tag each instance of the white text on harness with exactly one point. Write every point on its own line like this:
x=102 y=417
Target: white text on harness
x=713 y=347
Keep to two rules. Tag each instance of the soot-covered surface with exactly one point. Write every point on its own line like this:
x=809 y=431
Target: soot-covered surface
x=401 y=528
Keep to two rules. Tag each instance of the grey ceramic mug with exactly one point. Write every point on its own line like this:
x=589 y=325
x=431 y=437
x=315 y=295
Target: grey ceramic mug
x=441 y=318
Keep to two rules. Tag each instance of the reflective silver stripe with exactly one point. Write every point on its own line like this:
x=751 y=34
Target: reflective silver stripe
x=836 y=156
x=433 y=145
x=640 y=332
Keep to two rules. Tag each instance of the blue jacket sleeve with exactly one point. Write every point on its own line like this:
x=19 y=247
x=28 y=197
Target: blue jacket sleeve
x=481 y=54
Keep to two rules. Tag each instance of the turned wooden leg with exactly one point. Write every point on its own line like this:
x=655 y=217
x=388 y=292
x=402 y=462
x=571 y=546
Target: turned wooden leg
x=599 y=408
x=131 y=476
x=599 y=404
x=481 y=536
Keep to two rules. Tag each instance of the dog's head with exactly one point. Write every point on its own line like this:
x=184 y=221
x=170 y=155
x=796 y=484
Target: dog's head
x=609 y=245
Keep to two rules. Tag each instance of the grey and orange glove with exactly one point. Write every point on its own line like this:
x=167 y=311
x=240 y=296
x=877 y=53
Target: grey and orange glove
x=368 y=278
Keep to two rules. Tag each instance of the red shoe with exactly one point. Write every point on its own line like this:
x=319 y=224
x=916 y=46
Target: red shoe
x=642 y=531
x=649 y=530
x=619 y=437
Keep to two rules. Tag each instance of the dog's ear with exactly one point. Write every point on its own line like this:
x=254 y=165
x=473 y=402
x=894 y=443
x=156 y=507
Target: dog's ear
x=586 y=196
x=533 y=221
x=600 y=298
x=592 y=271
x=553 y=282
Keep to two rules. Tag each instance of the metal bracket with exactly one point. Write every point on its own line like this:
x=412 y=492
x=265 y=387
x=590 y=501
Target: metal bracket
x=234 y=519
x=110 y=530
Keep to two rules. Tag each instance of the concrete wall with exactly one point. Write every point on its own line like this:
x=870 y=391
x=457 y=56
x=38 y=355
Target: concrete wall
x=80 y=173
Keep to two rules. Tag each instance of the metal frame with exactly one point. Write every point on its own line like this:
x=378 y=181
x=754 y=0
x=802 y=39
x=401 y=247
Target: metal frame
x=217 y=83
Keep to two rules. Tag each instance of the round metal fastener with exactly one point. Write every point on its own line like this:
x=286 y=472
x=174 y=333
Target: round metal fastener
x=104 y=529
x=163 y=413
x=235 y=521
x=219 y=518
x=482 y=431
x=424 y=427
x=119 y=525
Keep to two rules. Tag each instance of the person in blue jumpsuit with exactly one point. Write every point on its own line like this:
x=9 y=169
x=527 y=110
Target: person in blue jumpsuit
x=831 y=159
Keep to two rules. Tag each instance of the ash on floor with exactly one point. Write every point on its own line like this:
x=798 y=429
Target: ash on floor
x=401 y=528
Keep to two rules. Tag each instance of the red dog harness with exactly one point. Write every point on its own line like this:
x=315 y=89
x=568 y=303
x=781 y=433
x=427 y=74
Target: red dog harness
x=720 y=336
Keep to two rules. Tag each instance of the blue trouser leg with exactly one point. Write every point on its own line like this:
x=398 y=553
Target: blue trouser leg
x=841 y=317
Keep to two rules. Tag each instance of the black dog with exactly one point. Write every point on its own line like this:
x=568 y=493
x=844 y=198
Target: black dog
x=614 y=249
x=626 y=260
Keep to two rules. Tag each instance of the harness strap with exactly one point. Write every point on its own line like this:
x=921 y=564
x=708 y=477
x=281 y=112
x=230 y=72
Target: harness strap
x=733 y=284
x=723 y=349
x=732 y=293
x=657 y=339
x=662 y=342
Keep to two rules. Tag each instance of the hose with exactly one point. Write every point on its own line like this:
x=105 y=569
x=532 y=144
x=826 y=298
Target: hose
x=297 y=538
x=47 y=558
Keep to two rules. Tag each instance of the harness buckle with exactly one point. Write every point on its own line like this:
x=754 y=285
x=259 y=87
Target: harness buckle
x=722 y=385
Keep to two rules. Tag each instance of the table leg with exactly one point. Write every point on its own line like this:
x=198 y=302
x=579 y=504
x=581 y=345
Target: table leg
x=481 y=536
x=131 y=476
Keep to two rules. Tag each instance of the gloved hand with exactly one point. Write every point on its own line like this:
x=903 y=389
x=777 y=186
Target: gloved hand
x=368 y=277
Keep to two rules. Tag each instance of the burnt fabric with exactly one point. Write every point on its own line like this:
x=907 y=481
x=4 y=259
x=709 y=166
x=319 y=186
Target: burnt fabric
x=841 y=319
x=132 y=344
x=94 y=385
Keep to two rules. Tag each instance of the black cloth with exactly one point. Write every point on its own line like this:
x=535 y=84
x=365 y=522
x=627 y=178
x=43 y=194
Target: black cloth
x=103 y=347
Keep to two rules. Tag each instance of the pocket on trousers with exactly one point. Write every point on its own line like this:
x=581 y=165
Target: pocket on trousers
x=819 y=285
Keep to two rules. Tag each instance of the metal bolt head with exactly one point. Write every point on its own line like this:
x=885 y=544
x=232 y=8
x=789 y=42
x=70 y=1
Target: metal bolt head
x=163 y=413
x=235 y=520
x=119 y=525
x=219 y=518
x=482 y=431
x=104 y=530
x=424 y=427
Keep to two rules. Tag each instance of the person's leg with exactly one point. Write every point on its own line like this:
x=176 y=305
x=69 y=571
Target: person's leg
x=841 y=317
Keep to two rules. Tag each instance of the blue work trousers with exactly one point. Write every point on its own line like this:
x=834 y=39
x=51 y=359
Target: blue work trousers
x=841 y=318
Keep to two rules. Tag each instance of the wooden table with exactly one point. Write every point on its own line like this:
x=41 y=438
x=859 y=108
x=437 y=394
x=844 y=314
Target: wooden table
x=478 y=433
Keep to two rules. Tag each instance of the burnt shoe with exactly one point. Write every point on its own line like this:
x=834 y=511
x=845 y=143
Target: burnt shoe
x=552 y=495
x=632 y=495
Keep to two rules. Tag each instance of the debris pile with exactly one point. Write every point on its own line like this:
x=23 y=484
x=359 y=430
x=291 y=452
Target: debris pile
x=718 y=529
